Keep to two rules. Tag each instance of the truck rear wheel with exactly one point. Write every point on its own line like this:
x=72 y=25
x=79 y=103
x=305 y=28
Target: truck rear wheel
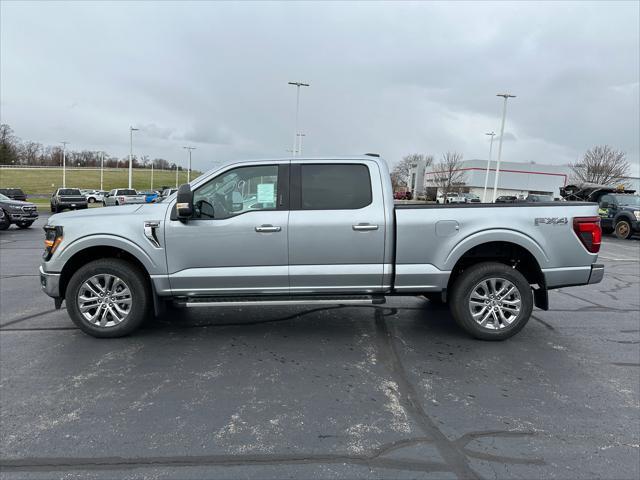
x=491 y=301
x=623 y=230
x=108 y=298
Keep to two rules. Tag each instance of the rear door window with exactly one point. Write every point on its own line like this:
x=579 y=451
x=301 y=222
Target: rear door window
x=335 y=186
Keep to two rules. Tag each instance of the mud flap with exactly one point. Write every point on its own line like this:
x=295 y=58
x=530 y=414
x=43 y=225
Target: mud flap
x=541 y=298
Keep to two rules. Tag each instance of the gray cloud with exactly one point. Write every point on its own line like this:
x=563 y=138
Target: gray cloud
x=388 y=77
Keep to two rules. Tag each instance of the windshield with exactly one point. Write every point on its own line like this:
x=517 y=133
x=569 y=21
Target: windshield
x=69 y=191
x=632 y=200
x=4 y=197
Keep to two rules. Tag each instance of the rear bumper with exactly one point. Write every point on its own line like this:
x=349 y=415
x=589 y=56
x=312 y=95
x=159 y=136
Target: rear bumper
x=597 y=273
x=50 y=283
x=573 y=276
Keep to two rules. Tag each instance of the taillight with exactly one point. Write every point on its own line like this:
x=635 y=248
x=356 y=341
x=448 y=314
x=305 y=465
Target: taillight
x=121 y=199
x=52 y=239
x=589 y=232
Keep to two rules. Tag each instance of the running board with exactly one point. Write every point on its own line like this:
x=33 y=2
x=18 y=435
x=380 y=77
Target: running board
x=191 y=302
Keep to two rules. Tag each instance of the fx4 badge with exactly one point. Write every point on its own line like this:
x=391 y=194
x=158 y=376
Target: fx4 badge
x=551 y=221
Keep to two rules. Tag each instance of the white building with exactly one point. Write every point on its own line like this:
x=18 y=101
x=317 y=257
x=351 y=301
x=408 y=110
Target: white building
x=515 y=178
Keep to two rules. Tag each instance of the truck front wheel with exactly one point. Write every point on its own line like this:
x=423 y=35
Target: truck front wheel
x=108 y=298
x=491 y=301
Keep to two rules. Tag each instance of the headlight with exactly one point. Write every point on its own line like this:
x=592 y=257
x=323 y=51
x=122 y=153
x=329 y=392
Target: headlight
x=636 y=213
x=15 y=208
x=52 y=239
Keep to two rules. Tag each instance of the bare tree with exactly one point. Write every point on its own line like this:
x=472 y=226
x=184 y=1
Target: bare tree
x=602 y=165
x=9 y=145
x=401 y=171
x=448 y=173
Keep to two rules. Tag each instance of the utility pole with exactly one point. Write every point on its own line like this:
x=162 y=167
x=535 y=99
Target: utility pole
x=486 y=177
x=295 y=131
x=64 y=163
x=131 y=130
x=300 y=136
x=506 y=96
x=151 y=174
x=101 y=169
x=189 y=167
x=176 y=175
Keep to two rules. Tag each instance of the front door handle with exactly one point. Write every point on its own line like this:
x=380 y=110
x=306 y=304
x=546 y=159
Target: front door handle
x=363 y=227
x=267 y=229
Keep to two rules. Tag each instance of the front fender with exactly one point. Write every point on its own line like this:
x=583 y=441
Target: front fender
x=152 y=265
x=496 y=235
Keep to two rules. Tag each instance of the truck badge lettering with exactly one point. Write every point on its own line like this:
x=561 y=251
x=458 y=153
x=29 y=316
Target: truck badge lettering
x=551 y=221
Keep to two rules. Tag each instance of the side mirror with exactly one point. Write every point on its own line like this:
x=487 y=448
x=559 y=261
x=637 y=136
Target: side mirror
x=604 y=205
x=184 y=203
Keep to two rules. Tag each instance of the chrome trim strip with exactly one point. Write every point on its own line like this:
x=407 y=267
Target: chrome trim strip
x=279 y=302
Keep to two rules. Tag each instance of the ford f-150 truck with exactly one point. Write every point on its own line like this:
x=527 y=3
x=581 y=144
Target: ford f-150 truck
x=123 y=196
x=309 y=231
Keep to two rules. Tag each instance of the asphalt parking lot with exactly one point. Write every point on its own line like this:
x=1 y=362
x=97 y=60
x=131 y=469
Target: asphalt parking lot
x=395 y=391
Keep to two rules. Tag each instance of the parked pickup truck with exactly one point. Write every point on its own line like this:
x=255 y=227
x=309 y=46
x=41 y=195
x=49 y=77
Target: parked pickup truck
x=22 y=214
x=310 y=231
x=67 y=199
x=123 y=196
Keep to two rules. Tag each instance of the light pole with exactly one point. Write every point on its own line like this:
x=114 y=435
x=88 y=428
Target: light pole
x=176 y=175
x=189 y=167
x=486 y=177
x=506 y=96
x=131 y=130
x=101 y=169
x=300 y=137
x=151 y=174
x=64 y=163
x=295 y=131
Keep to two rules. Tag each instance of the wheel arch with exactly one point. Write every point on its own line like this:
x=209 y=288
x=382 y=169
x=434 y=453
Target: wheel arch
x=509 y=253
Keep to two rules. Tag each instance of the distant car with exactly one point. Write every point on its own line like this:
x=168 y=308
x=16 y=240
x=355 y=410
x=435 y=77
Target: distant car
x=539 y=198
x=14 y=194
x=67 y=199
x=450 y=197
x=506 y=199
x=23 y=214
x=470 y=198
x=165 y=193
x=94 y=196
x=402 y=195
x=149 y=195
x=122 y=196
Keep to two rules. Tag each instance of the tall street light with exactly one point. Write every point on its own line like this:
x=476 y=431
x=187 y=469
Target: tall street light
x=300 y=136
x=189 y=167
x=131 y=130
x=64 y=163
x=486 y=177
x=506 y=96
x=295 y=131
x=101 y=169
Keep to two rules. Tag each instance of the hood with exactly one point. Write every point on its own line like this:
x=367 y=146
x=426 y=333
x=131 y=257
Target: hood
x=17 y=203
x=110 y=214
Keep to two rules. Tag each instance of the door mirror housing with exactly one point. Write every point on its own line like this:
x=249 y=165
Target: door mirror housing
x=604 y=205
x=184 y=202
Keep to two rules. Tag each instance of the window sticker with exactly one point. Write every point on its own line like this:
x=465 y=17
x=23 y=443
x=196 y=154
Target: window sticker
x=266 y=193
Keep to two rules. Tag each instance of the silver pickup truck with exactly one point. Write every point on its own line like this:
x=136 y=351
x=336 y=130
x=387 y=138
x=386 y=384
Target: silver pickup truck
x=122 y=196
x=309 y=231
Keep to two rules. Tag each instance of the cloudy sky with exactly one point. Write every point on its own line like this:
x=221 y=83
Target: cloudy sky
x=394 y=78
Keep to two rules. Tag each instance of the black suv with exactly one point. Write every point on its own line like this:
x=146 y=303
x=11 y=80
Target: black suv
x=23 y=214
x=620 y=213
x=14 y=194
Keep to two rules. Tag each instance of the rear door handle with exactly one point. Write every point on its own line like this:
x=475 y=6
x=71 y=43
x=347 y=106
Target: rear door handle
x=267 y=229
x=363 y=227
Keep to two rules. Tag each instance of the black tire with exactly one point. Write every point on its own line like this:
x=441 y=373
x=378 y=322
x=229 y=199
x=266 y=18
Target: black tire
x=24 y=224
x=104 y=204
x=5 y=222
x=467 y=282
x=91 y=200
x=623 y=230
x=141 y=301
x=54 y=209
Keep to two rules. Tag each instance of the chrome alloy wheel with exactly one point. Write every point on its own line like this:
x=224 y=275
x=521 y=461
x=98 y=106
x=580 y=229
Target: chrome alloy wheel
x=495 y=303
x=104 y=300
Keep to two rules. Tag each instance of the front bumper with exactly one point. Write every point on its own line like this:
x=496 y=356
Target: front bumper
x=50 y=283
x=597 y=273
x=23 y=216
